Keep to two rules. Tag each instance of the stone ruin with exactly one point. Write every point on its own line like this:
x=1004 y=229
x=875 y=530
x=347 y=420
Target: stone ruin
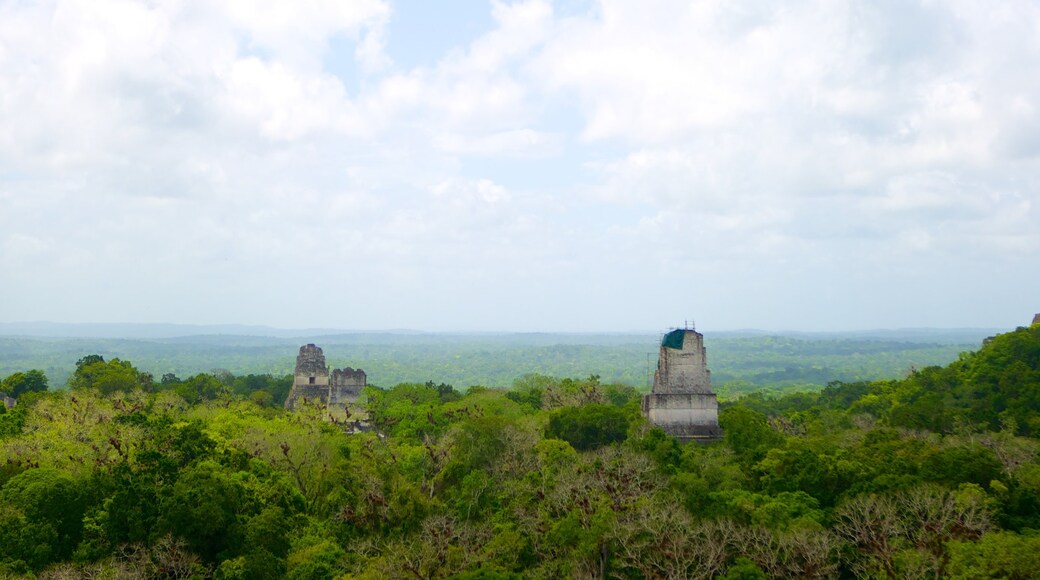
x=313 y=382
x=681 y=401
x=1036 y=320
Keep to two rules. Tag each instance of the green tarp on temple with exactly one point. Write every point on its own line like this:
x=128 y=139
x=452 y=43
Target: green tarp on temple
x=674 y=339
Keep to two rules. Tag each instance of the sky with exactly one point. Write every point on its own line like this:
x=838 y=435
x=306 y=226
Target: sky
x=577 y=165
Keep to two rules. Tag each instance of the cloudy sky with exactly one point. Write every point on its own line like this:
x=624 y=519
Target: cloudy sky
x=521 y=165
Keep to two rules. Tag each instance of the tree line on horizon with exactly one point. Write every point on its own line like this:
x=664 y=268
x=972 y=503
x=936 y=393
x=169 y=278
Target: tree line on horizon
x=740 y=365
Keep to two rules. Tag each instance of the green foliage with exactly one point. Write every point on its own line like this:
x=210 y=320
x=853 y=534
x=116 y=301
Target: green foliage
x=782 y=511
x=530 y=389
x=801 y=467
x=560 y=477
x=132 y=507
x=744 y=569
x=621 y=395
x=52 y=504
x=12 y=421
x=1020 y=499
x=203 y=509
x=92 y=372
x=315 y=559
x=957 y=464
x=996 y=383
x=202 y=387
x=447 y=392
x=589 y=426
x=665 y=449
x=982 y=390
x=748 y=433
x=407 y=410
x=996 y=555
x=265 y=389
x=20 y=383
x=27 y=544
x=269 y=531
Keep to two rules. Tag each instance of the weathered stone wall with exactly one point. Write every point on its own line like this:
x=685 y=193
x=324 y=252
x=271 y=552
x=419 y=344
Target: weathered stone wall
x=1036 y=319
x=688 y=416
x=311 y=361
x=685 y=370
x=313 y=382
x=681 y=402
x=311 y=393
x=348 y=377
x=311 y=379
x=346 y=385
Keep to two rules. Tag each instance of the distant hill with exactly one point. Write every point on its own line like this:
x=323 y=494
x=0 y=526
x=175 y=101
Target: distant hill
x=193 y=332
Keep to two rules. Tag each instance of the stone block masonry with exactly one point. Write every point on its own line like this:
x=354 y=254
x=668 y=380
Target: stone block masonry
x=681 y=401
x=313 y=382
x=345 y=385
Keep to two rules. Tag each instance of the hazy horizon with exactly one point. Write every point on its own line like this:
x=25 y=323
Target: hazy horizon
x=173 y=330
x=521 y=166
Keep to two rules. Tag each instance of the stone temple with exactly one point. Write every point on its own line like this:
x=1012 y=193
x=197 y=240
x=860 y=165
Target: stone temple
x=314 y=383
x=681 y=401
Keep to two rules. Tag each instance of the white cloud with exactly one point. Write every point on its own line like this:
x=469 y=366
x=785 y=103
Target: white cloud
x=284 y=106
x=210 y=146
x=516 y=142
x=296 y=32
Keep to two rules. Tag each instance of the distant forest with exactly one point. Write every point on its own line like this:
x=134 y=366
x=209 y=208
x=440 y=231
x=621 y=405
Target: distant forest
x=740 y=362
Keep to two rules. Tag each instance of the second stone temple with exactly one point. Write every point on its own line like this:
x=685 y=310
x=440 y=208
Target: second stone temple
x=681 y=401
x=312 y=381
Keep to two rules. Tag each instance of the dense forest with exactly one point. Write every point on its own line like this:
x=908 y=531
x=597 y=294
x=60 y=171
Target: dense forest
x=125 y=474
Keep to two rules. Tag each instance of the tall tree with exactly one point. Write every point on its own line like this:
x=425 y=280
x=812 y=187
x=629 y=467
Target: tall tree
x=93 y=372
x=20 y=383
